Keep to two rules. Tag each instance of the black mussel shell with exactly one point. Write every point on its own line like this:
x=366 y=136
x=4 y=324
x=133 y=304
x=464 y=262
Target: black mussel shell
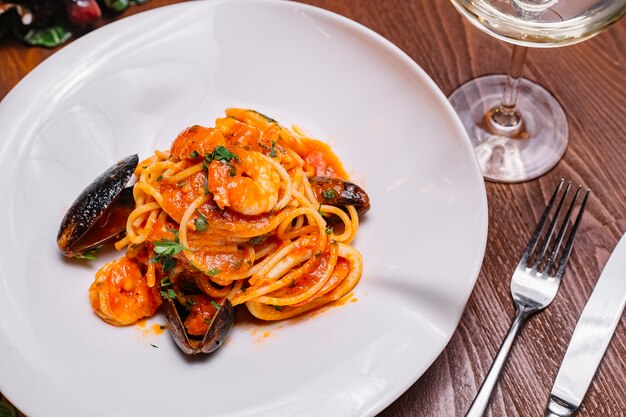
x=339 y=192
x=216 y=335
x=94 y=206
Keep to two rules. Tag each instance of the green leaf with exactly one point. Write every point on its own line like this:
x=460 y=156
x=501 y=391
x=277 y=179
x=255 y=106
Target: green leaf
x=220 y=154
x=49 y=37
x=167 y=247
x=213 y=271
x=216 y=305
x=88 y=255
x=201 y=223
x=273 y=150
x=117 y=5
x=193 y=155
x=169 y=293
x=330 y=193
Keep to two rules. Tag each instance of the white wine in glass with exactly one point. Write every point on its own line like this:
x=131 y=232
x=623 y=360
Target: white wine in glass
x=518 y=129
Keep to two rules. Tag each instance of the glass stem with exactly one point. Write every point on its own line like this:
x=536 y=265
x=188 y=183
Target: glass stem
x=505 y=116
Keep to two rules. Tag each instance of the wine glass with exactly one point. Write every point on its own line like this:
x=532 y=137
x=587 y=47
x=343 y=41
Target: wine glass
x=518 y=129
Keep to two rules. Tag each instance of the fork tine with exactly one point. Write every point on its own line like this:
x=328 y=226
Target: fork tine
x=570 y=238
x=537 y=232
x=552 y=227
x=559 y=239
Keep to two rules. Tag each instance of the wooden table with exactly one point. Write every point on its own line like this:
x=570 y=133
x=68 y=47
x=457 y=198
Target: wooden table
x=589 y=80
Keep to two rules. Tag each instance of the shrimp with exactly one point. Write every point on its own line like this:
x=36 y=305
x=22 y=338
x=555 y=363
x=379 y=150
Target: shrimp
x=120 y=294
x=249 y=186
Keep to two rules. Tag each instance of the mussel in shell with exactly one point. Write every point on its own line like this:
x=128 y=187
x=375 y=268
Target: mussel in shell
x=339 y=192
x=100 y=211
x=217 y=327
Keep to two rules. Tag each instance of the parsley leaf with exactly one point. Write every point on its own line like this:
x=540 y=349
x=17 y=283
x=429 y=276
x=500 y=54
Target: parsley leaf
x=216 y=305
x=329 y=194
x=193 y=155
x=167 y=247
x=159 y=178
x=220 y=154
x=169 y=293
x=213 y=271
x=200 y=225
x=273 y=150
x=278 y=308
x=329 y=230
x=89 y=255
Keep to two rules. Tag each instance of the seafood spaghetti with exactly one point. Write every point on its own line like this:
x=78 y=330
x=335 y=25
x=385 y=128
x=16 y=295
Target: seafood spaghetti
x=245 y=213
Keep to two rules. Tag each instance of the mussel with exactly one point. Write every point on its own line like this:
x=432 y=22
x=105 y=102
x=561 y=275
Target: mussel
x=100 y=211
x=218 y=327
x=339 y=192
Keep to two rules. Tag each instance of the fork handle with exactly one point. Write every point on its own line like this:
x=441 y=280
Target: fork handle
x=481 y=402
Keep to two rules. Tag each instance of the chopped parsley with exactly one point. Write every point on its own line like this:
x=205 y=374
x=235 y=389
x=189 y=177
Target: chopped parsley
x=193 y=155
x=329 y=194
x=216 y=305
x=165 y=250
x=278 y=308
x=169 y=293
x=167 y=247
x=181 y=184
x=328 y=231
x=273 y=150
x=207 y=321
x=213 y=271
x=154 y=346
x=159 y=178
x=220 y=154
x=89 y=255
x=201 y=223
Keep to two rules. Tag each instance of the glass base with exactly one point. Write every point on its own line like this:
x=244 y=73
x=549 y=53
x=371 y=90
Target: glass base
x=519 y=153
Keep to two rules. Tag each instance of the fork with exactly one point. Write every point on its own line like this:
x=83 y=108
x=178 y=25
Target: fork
x=535 y=281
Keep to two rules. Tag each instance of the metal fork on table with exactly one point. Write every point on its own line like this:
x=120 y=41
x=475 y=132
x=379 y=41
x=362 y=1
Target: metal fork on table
x=535 y=281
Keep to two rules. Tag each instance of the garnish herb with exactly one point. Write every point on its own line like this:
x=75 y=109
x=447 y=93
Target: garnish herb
x=154 y=346
x=168 y=247
x=292 y=284
x=278 y=308
x=165 y=250
x=189 y=303
x=193 y=155
x=318 y=253
x=89 y=255
x=273 y=150
x=329 y=194
x=201 y=223
x=328 y=231
x=213 y=271
x=169 y=293
x=181 y=184
x=220 y=154
x=207 y=321
x=159 y=178
x=166 y=282
x=162 y=327
x=216 y=305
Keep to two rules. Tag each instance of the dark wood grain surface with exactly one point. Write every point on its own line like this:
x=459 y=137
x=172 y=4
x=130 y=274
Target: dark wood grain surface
x=589 y=80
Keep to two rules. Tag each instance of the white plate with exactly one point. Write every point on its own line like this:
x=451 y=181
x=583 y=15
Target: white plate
x=131 y=87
